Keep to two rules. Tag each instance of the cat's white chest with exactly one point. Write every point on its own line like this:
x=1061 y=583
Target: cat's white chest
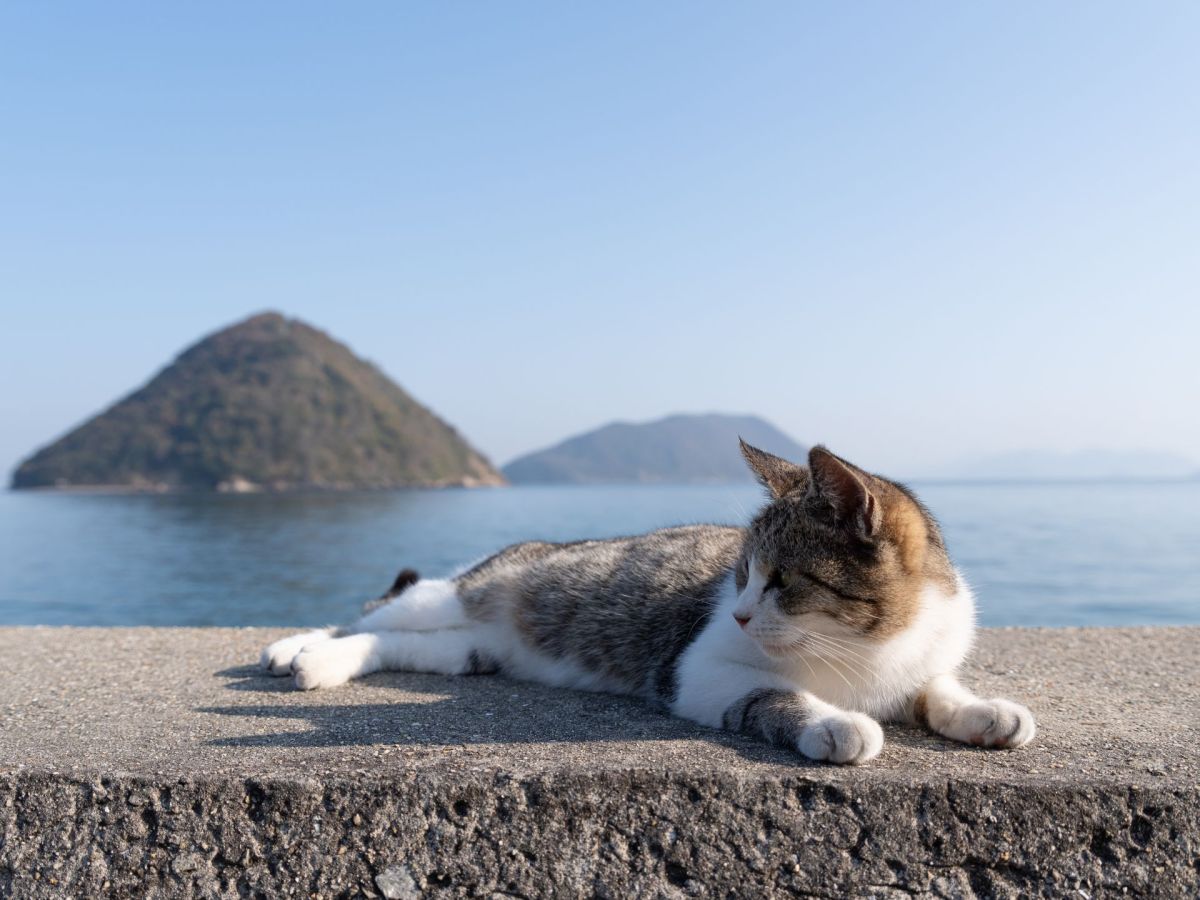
x=848 y=683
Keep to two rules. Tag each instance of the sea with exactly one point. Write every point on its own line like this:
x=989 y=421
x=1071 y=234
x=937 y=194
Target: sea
x=1037 y=554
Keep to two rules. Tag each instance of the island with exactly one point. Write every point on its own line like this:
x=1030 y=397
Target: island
x=267 y=404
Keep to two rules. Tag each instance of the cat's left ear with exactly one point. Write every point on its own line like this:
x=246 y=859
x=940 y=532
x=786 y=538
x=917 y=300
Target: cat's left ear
x=776 y=474
x=845 y=490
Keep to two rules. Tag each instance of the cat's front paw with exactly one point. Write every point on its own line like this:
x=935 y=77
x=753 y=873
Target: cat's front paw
x=997 y=724
x=842 y=737
x=277 y=657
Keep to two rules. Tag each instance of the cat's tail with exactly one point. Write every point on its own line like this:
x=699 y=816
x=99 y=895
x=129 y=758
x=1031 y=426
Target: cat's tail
x=406 y=579
x=414 y=604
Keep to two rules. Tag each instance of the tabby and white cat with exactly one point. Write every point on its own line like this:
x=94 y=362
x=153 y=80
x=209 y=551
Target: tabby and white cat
x=836 y=608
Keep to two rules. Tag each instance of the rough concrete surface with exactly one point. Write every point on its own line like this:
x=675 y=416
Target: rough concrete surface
x=162 y=763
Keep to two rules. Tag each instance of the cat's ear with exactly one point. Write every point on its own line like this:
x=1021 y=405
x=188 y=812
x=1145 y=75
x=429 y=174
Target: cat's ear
x=843 y=490
x=776 y=474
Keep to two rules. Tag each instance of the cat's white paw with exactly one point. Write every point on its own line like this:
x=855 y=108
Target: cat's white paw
x=325 y=665
x=842 y=737
x=277 y=657
x=999 y=724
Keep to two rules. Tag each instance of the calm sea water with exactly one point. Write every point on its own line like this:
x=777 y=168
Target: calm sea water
x=1038 y=554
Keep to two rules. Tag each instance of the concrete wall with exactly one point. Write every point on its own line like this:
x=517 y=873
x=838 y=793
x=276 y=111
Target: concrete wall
x=156 y=762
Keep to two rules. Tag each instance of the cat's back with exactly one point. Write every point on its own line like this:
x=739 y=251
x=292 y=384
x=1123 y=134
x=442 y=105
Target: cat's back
x=667 y=565
x=621 y=607
x=661 y=562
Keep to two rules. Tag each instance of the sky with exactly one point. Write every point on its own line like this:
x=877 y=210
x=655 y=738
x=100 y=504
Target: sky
x=914 y=232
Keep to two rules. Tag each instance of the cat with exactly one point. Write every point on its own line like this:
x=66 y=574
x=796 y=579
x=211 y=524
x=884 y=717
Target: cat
x=835 y=609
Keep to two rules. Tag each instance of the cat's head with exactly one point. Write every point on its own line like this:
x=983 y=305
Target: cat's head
x=836 y=553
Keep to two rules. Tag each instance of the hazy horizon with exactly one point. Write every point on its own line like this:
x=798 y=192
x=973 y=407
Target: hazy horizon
x=918 y=236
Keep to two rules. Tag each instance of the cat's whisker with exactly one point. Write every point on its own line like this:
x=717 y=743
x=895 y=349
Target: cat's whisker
x=831 y=657
x=808 y=665
x=835 y=642
x=846 y=640
x=827 y=641
x=804 y=648
x=845 y=649
x=838 y=662
x=833 y=668
x=834 y=656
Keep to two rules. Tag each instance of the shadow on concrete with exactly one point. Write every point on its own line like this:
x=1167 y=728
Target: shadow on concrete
x=253 y=678
x=436 y=710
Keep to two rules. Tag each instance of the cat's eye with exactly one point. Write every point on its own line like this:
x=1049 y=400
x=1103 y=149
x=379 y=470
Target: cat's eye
x=781 y=580
x=836 y=591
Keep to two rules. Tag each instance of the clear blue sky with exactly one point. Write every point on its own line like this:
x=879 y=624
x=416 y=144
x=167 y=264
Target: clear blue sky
x=912 y=231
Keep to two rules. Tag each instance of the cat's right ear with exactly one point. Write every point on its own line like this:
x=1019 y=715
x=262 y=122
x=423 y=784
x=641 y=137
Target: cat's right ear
x=776 y=474
x=842 y=489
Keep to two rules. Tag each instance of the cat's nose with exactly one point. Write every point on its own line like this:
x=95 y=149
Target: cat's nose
x=742 y=620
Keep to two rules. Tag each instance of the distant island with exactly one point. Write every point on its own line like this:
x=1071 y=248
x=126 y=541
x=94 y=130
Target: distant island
x=270 y=403
x=679 y=449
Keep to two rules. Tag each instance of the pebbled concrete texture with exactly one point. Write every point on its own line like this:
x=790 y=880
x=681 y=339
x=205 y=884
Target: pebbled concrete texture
x=161 y=763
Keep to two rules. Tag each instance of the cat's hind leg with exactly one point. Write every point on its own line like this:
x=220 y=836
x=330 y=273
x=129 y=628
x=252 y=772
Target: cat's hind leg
x=277 y=657
x=450 y=651
x=427 y=605
x=948 y=708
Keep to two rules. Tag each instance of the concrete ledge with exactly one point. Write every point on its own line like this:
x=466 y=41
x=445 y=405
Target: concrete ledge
x=155 y=763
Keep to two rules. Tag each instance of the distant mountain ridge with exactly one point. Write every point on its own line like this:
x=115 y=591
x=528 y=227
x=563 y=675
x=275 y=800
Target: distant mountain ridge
x=676 y=449
x=269 y=403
